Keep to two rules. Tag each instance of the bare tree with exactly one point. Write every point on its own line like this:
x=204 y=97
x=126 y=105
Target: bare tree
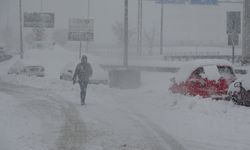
x=36 y=37
x=118 y=30
x=60 y=36
x=40 y=34
x=150 y=40
x=30 y=38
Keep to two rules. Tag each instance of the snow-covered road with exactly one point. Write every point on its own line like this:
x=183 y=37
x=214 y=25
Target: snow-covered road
x=45 y=114
x=40 y=113
x=60 y=121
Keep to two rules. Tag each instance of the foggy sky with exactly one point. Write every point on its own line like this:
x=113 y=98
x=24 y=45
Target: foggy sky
x=181 y=22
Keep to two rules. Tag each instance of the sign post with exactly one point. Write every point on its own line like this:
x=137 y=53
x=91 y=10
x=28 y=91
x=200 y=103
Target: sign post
x=125 y=59
x=81 y=30
x=246 y=32
x=162 y=22
x=233 y=30
x=233 y=40
x=21 y=29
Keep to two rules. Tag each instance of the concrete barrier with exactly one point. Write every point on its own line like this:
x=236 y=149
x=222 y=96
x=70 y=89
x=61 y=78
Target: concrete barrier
x=5 y=57
x=124 y=78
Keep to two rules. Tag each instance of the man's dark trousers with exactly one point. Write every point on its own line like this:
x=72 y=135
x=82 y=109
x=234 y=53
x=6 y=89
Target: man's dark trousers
x=83 y=87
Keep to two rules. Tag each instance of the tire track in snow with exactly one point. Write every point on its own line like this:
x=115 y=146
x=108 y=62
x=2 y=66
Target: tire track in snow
x=169 y=139
x=166 y=140
x=72 y=134
x=147 y=134
x=154 y=137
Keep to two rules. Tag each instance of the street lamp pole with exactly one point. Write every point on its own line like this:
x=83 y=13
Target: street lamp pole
x=21 y=29
x=139 y=28
x=125 y=59
x=161 y=41
x=87 y=42
x=41 y=5
x=246 y=32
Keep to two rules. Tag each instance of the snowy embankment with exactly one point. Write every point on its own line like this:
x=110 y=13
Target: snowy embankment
x=148 y=118
x=27 y=122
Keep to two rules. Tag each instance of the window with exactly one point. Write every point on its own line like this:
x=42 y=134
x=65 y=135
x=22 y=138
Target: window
x=225 y=70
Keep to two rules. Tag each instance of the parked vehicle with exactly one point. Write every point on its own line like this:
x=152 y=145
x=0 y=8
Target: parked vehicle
x=206 y=78
x=4 y=56
x=100 y=76
x=239 y=91
x=29 y=70
x=241 y=70
x=67 y=72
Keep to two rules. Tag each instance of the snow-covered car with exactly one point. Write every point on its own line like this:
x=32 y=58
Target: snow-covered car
x=100 y=76
x=19 y=68
x=206 y=78
x=67 y=72
x=239 y=90
x=4 y=56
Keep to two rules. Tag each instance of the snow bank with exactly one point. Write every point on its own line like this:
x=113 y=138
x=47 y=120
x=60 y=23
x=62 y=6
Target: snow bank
x=18 y=129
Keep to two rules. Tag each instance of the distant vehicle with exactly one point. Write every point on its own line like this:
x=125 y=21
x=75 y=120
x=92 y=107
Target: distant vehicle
x=239 y=91
x=27 y=70
x=242 y=70
x=67 y=72
x=206 y=78
x=4 y=56
x=99 y=75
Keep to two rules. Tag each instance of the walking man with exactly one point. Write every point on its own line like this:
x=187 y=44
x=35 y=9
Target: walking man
x=83 y=72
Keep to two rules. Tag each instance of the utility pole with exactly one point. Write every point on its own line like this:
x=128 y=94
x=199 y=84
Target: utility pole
x=87 y=42
x=41 y=5
x=161 y=40
x=21 y=29
x=246 y=32
x=80 y=51
x=8 y=35
x=125 y=59
x=139 y=29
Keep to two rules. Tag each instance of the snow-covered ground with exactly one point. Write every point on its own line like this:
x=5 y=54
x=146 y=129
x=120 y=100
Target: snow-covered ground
x=45 y=113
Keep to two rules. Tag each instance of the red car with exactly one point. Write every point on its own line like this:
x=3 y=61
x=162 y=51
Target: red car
x=206 y=78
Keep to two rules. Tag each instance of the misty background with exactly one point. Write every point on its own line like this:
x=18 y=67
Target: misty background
x=184 y=25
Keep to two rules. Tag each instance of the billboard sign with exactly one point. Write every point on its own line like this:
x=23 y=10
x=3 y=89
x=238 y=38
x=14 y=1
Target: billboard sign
x=233 y=22
x=81 y=29
x=38 y=19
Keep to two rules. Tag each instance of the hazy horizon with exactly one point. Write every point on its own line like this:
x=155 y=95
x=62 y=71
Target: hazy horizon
x=181 y=22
